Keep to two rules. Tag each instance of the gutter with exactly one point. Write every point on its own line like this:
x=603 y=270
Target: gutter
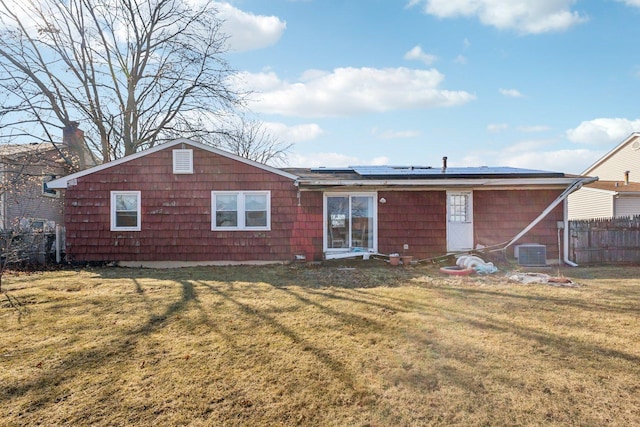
x=313 y=184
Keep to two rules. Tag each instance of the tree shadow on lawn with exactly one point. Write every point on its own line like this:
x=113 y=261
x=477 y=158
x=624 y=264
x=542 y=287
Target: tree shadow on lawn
x=225 y=282
x=49 y=386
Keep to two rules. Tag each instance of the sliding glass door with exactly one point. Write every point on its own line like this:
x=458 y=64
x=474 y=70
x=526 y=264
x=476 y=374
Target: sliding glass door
x=350 y=221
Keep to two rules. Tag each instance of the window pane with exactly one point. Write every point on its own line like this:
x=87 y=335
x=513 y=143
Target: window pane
x=338 y=224
x=126 y=202
x=256 y=219
x=227 y=219
x=458 y=210
x=254 y=202
x=226 y=202
x=126 y=219
x=362 y=221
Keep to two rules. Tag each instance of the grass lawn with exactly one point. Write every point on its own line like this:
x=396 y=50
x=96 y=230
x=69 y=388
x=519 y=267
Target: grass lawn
x=372 y=345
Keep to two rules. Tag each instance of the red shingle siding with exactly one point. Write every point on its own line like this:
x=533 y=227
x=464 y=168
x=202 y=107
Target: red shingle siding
x=176 y=213
x=417 y=218
x=501 y=215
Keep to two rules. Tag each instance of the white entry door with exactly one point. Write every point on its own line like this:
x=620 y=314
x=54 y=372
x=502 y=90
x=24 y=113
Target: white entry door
x=459 y=221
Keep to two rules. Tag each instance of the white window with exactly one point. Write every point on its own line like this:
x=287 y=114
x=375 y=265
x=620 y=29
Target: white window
x=125 y=211
x=241 y=210
x=183 y=161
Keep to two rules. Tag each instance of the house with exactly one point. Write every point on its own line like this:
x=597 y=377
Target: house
x=617 y=191
x=25 y=199
x=187 y=202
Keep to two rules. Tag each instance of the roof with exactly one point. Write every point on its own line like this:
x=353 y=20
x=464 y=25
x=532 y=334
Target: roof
x=617 y=187
x=13 y=149
x=63 y=182
x=427 y=176
x=634 y=139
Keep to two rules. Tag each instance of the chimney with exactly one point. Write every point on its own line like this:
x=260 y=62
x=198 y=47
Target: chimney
x=444 y=164
x=73 y=138
x=626 y=177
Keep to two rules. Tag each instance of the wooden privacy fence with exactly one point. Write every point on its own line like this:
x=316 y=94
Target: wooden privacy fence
x=605 y=241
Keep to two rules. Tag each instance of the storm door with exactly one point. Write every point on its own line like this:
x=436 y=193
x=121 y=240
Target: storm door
x=459 y=221
x=349 y=222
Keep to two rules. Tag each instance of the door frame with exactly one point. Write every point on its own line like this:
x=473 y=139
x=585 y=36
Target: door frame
x=325 y=222
x=467 y=223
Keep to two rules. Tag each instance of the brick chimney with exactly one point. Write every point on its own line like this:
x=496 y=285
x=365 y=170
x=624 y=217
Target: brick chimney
x=73 y=138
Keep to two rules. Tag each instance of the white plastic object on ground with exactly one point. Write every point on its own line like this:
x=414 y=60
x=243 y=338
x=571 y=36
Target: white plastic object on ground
x=476 y=263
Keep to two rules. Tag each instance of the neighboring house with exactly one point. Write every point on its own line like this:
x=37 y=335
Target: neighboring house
x=188 y=202
x=617 y=191
x=25 y=200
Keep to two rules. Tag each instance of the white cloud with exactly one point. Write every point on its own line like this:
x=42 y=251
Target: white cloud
x=350 y=91
x=497 y=127
x=530 y=154
x=394 y=134
x=294 y=134
x=510 y=93
x=603 y=131
x=247 y=31
x=567 y=161
x=634 y=3
x=331 y=160
x=417 y=54
x=523 y=16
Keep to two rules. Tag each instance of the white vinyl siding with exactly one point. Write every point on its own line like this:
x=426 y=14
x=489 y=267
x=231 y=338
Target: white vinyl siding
x=613 y=169
x=241 y=210
x=627 y=206
x=588 y=203
x=126 y=211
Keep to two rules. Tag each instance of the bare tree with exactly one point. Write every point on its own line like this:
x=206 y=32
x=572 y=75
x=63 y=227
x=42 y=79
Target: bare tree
x=248 y=138
x=131 y=73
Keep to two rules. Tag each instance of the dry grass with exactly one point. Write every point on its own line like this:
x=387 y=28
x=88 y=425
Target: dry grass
x=371 y=346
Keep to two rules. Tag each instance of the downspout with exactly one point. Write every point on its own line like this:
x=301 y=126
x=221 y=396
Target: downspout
x=573 y=187
x=565 y=238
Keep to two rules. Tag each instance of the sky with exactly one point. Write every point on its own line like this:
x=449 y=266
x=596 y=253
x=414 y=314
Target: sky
x=542 y=84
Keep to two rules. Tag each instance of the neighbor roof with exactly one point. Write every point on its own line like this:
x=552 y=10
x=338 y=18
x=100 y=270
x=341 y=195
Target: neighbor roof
x=13 y=149
x=615 y=186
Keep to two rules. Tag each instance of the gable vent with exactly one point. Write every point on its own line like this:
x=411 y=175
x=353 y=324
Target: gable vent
x=183 y=161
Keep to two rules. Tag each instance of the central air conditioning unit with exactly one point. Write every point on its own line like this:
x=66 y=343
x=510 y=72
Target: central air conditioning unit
x=531 y=255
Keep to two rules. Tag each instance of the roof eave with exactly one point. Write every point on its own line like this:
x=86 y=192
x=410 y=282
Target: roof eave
x=452 y=182
x=62 y=183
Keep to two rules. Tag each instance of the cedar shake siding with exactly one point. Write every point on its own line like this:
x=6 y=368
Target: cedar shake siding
x=176 y=213
x=162 y=215
x=417 y=218
x=499 y=215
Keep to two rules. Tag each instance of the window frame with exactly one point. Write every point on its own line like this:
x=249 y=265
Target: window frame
x=241 y=210
x=348 y=221
x=114 y=195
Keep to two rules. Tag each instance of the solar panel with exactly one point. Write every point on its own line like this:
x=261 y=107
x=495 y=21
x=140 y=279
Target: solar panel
x=427 y=171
